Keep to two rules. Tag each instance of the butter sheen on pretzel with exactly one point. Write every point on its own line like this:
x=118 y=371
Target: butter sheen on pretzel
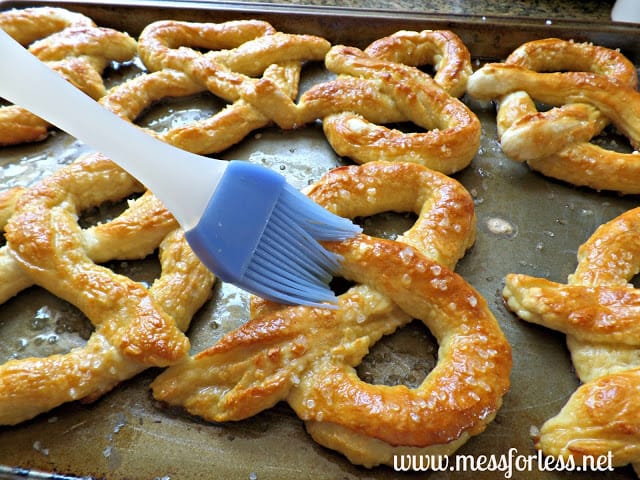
x=589 y=86
x=307 y=356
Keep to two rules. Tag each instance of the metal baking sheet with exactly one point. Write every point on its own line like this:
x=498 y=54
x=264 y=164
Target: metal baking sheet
x=541 y=223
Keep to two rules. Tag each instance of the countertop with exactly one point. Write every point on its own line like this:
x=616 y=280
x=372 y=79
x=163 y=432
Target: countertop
x=547 y=9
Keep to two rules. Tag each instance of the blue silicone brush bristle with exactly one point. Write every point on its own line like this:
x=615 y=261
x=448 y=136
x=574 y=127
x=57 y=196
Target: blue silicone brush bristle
x=255 y=231
x=261 y=234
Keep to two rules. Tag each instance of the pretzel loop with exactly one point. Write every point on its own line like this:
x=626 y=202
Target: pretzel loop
x=587 y=85
x=441 y=48
x=307 y=356
x=70 y=44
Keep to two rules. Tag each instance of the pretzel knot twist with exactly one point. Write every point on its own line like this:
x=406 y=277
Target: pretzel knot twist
x=589 y=86
x=72 y=45
x=597 y=310
x=135 y=327
x=382 y=85
x=236 y=52
x=307 y=356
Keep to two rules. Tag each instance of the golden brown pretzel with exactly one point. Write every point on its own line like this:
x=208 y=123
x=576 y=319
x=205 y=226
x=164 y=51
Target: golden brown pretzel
x=307 y=356
x=134 y=328
x=235 y=53
x=557 y=142
x=453 y=135
x=597 y=310
x=70 y=44
x=383 y=85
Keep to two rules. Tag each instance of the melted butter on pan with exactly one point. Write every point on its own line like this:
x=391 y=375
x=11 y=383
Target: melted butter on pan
x=501 y=227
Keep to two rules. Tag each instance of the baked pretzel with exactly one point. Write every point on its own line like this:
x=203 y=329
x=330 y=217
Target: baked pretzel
x=383 y=85
x=70 y=44
x=596 y=309
x=134 y=327
x=306 y=356
x=235 y=53
x=557 y=142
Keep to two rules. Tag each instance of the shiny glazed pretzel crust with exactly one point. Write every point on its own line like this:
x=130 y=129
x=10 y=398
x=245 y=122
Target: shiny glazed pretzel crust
x=589 y=86
x=597 y=310
x=72 y=45
x=452 y=135
x=307 y=356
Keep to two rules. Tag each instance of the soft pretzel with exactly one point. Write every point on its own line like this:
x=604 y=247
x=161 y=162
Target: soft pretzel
x=134 y=327
x=564 y=126
x=453 y=132
x=597 y=310
x=70 y=44
x=307 y=356
x=588 y=86
x=235 y=53
x=383 y=85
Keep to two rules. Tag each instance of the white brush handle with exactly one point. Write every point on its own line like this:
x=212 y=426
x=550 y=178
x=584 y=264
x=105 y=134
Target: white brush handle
x=183 y=181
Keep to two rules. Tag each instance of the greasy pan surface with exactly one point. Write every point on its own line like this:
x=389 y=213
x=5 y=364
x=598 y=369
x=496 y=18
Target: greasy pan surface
x=526 y=224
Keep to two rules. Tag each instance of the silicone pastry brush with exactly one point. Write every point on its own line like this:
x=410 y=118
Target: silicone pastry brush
x=244 y=221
